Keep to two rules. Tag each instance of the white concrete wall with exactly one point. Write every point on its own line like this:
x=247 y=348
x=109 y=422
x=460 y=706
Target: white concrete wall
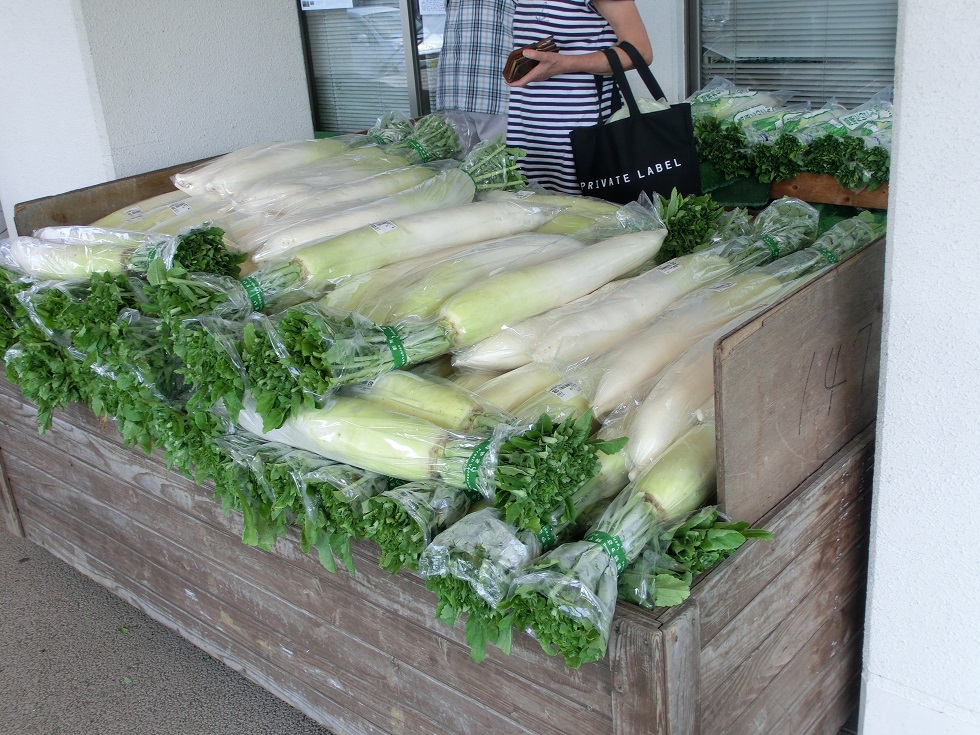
x=664 y=21
x=922 y=650
x=52 y=137
x=95 y=90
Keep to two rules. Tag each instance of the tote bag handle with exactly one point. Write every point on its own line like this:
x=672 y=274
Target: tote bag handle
x=619 y=75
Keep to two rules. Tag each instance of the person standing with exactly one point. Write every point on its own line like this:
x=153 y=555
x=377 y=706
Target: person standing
x=560 y=92
x=475 y=44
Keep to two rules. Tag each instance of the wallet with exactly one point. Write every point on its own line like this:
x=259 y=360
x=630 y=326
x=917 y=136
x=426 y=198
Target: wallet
x=518 y=65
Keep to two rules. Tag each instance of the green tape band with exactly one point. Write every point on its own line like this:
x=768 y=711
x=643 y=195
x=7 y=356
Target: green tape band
x=254 y=292
x=475 y=185
x=546 y=536
x=772 y=245
x=399 y=354
x=828 y=254
x=472 y=494
x=152 y=255
x=471 y=472
x=419 y=149
x=613 y=546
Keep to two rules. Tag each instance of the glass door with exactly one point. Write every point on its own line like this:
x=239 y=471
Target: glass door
x=367 y=58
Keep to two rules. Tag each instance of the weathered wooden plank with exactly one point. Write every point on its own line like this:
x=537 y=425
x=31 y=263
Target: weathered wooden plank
x=682 y=675
x=839 y=551
x=824 y=189
x=84 y=206
x=639 y=696
x=840 y=709
x=307 y=643
x=403 y=594
x=8 y=504
x=798 y=696
x=790 y=410
x=737 y=684
x=329 y=597
x=821 y=502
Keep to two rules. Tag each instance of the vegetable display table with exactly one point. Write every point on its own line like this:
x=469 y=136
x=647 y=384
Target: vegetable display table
x=768 y=642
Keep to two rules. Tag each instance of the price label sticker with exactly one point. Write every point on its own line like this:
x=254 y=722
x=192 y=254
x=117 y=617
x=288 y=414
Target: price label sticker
x=384 y=226
x=566 y=391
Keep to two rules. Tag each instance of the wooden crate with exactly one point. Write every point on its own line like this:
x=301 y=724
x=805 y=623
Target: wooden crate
x=824 y=189
x=768 y=642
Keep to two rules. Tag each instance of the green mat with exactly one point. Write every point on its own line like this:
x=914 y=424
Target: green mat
x=745 y=191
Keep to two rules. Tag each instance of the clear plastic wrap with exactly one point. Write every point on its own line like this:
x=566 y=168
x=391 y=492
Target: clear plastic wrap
x=211 y=366
x=587 y=218
x=662 y=575
x=435 y=399
x=137 y=211
x=306 y=187
x=512 y=389
x=297 y=195
x=667 y=405
x=298 y=356
x=320 y=266
x=525 y=470
x=275 y=241
x=404 y=519
x=327 y=500
x=231 y=173
x=509 y=296
x=599 y=321
x=364 y=291
x=567 y=597
x=65 y=253
x=723 y=100
x=361 y=433
x=422 y=292
x=783 y=227
x=482 y=550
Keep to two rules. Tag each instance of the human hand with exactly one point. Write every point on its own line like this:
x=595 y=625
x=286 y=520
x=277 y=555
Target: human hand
x=549 y=64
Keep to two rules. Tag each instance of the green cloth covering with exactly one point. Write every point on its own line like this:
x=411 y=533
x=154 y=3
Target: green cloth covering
x=745 y=191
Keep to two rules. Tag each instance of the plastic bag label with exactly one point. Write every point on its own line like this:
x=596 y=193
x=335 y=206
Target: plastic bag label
x=566 y=391
x=384 y=226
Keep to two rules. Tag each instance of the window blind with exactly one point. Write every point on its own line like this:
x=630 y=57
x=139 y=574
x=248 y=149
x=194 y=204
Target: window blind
x=357 y=76
x=819 y=49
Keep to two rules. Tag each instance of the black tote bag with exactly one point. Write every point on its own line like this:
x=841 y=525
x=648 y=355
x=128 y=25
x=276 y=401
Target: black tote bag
x=651 y=152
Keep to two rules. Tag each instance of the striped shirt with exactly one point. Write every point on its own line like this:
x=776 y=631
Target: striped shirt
x=475 y=45
x=541 y=114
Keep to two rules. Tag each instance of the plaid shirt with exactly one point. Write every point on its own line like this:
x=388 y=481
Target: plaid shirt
x=477 y=39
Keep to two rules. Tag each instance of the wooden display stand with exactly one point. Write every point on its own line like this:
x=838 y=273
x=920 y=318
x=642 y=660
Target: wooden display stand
x=768 y=642
x=824 y=189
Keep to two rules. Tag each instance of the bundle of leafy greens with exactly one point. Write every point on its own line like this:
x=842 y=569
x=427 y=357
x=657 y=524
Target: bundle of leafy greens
x=59 y=329
x=567 y=597
x=689 y=221
x=662 y=575
x=403 y=519
x=287 y=487
x=471 y=565
x=69 y=253
x=296 y=357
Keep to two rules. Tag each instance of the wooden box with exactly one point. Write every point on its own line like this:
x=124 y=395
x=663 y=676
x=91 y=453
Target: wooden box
x=768 y=642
